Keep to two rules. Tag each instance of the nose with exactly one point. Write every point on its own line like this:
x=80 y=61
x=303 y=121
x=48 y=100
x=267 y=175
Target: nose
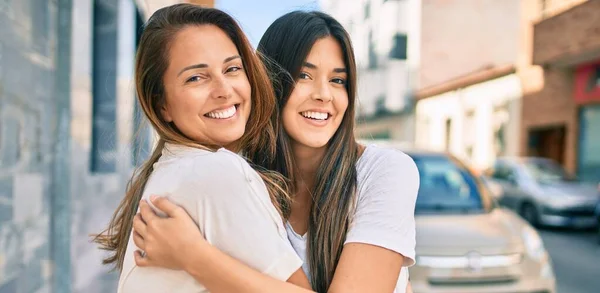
x=221 y=88
x=322 y=92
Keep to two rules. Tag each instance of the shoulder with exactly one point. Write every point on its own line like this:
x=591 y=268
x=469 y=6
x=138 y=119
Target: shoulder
x=381 y=163
x=214 y=167
x=220 y=161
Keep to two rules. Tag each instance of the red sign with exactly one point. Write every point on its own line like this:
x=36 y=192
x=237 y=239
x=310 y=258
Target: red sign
x=587 y=83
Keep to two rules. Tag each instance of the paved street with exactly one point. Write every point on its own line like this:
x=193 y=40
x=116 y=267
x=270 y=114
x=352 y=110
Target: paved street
x=576 y=259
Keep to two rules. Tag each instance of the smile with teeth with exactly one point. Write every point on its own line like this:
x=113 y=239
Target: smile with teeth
x=222 y=114
x=315 y=115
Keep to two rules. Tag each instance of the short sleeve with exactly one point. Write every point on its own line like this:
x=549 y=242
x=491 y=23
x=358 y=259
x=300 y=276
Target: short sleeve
x=386 y=203
x=233 y=210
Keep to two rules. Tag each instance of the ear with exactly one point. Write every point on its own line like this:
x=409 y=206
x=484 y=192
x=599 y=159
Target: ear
x=164 y=111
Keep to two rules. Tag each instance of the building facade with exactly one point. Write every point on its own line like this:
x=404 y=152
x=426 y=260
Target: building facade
x=69 y=136
x=561 y=119
x=469 y=97
x=475 y=117
x=514 y=40
x=385 y=35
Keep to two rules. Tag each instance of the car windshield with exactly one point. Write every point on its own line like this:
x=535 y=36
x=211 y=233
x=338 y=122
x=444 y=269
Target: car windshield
x=445 y=187
x=547 y=171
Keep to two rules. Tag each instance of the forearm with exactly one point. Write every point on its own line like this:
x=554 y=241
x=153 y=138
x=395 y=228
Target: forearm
x=219 y=272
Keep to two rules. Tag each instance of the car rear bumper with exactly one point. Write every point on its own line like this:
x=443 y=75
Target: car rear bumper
x=581 y=222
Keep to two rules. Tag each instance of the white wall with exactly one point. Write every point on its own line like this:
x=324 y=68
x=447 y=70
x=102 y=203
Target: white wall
x=473 y=111
x=393 y=79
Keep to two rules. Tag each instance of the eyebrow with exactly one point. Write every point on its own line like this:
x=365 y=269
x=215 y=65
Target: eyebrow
x=204 y=65
x=336 y=70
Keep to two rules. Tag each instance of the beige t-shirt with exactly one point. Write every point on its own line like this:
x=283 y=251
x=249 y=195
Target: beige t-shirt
x=229 y=202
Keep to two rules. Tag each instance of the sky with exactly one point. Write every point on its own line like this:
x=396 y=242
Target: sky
x=256 y=15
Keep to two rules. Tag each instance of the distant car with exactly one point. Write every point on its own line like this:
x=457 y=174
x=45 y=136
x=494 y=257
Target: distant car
x=544 y=193
x=465 y=241
x=598 y=216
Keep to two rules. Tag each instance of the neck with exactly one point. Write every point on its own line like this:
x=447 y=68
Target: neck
x=307 y=160
x=233 y=147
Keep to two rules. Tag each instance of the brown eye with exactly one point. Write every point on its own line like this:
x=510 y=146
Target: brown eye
x=194 y=78
x=339 y=81
x=303 y=75
x=233 y=69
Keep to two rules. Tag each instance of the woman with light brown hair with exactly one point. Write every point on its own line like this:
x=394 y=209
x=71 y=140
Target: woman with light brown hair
x=208 y=96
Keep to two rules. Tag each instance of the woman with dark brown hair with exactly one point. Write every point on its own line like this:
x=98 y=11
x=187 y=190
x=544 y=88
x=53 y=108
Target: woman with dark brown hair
x=208 y=97
x=352 y=215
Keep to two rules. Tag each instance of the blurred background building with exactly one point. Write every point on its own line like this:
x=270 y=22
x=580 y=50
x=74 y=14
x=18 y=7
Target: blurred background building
x=67 y=143
x=469 y=94
x=385 y=36
x=560 y=119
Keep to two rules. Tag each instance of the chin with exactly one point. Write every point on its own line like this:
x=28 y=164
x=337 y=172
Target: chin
x=316 y=143
x=226 y=139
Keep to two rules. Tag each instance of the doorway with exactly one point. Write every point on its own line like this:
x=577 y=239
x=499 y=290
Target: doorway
x=548 y=142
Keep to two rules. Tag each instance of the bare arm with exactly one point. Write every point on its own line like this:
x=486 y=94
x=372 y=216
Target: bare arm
x=175 y=242
x=221 y=273
x=366 y=268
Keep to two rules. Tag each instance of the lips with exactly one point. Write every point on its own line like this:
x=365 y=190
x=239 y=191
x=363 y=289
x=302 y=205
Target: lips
x=223 y=113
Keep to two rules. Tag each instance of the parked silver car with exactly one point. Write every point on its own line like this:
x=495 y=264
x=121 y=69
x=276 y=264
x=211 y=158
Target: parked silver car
x=598 y=217
x=465 y=241
x=544 y=193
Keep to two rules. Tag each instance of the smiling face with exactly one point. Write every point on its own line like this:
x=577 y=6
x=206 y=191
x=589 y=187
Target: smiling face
x=317 y=105
x=207 y=90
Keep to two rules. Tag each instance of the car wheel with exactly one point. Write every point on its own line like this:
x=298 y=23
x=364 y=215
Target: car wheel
x=529 y=213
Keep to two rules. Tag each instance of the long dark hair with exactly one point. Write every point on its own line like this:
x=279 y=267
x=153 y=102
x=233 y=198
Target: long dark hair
x=284 y=48
x=151 y=62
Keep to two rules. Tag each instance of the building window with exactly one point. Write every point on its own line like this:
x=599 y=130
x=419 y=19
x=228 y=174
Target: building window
x=448 y=133
x=372 y=53
x=367 y=10
x=104 y=86
x=469 y=133
x=11 y=131
x=380 y=107
x=40 y=25
x=399 y=48
x=588 y=163
x=500 y=123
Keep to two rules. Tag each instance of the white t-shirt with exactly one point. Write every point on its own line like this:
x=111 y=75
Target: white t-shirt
x=229 y=202
x=388 y=182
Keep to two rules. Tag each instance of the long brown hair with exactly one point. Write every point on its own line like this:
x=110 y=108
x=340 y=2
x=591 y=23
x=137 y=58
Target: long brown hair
x=152 y=60
x=285 y=47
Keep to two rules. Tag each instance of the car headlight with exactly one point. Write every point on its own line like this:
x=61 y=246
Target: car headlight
x=534 y=244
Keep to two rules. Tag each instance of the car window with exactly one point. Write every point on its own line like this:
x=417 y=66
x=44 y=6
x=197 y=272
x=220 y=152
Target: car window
x=446 y=186
x=503 y=172
x=547 y=171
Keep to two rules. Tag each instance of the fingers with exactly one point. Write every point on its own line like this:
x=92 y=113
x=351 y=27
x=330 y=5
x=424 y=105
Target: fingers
x=139 y=226
x=163 y=204
x=139 y=241
x=146 y=212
